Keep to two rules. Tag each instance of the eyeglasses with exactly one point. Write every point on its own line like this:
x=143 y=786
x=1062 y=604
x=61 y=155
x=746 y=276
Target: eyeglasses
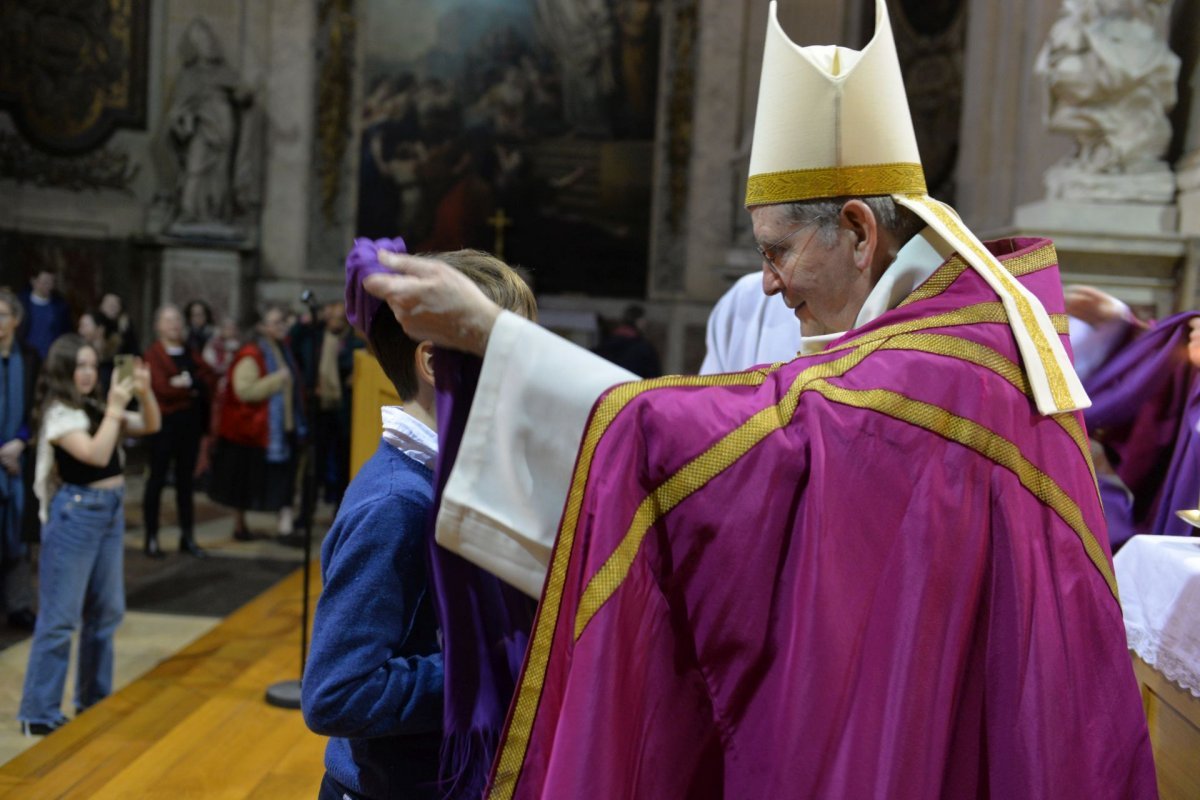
x=768 y=253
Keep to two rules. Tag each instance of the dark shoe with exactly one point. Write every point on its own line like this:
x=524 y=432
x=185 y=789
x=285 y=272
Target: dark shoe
x=152 y=549
x=41 y=728
x=188 y=545
x=245 y=535
x=23 y=619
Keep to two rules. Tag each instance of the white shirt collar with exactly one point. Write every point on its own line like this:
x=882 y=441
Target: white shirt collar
x=409 y=435
x=917 y=260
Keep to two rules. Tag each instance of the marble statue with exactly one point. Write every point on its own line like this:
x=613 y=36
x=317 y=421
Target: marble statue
x=1111 y=80
x=213 y=131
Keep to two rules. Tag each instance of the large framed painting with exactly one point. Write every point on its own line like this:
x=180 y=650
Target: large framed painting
x=73 y=72
x=521 y=127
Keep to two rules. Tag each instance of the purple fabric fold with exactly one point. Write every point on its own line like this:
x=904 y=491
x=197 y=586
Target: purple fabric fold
x=363 y=261
x=485 y=622
x=1145 y=411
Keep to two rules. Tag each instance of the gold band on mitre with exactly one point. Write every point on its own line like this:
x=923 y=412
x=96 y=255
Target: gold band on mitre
x=834 y=122
x=795 y=185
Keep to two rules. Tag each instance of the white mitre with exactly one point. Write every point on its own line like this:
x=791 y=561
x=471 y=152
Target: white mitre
x=834 y=122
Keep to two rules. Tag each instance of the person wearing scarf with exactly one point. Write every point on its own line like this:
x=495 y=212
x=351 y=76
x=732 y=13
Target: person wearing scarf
x=19 y=366
x=415 y=651
x=254 y=468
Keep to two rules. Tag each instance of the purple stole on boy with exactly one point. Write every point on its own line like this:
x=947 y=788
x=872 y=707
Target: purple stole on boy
x=875 y=571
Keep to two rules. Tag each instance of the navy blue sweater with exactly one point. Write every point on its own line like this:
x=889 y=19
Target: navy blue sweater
x=374 y=677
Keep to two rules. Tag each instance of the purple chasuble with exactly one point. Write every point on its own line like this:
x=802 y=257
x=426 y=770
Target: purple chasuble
x=1146 y=412
x=872 y=572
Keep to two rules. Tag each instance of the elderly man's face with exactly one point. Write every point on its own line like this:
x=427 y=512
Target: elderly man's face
x=818 y=282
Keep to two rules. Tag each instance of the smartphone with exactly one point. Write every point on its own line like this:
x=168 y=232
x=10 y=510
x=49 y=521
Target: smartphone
x=122 y=367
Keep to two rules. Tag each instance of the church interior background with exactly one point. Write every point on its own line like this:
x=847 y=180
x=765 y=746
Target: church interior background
x=601 y=145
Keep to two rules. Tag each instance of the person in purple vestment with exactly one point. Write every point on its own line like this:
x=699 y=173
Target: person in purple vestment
x=1145 y=417
x=878 y=570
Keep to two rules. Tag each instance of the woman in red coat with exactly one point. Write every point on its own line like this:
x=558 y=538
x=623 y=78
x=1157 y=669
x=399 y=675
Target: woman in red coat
x=183 y=383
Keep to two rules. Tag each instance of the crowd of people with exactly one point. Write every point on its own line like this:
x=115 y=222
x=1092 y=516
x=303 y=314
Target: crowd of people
x=230 y=412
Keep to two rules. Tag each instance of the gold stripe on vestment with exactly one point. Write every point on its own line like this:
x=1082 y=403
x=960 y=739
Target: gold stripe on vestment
x=725 y=452
x=1041 y=258
x=989 y=359
x=985 y=261
x=696 y=473
x=520 y=728
x=970 y=315
x=795 y=185
x=986 y=443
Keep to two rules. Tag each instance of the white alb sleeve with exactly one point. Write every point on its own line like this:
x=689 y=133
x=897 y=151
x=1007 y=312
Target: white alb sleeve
x=504 y=498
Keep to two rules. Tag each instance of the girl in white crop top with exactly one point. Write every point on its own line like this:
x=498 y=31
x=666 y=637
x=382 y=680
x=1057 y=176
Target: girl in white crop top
x=80 y=571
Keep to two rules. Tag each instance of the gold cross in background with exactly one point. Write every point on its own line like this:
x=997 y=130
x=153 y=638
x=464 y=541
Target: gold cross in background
x=499 y=221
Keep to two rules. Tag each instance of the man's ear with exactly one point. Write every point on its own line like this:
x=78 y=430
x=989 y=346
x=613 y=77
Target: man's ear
x=424 y=362
x=858 y=218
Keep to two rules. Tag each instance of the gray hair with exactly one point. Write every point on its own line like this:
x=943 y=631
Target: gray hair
x=900 y=222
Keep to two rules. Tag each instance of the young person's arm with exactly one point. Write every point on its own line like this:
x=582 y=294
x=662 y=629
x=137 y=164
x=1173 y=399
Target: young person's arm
x=362 y=678
x=251 y=386
x=96 y=449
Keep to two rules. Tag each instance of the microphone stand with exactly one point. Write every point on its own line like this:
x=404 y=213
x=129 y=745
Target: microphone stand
x=286 y=694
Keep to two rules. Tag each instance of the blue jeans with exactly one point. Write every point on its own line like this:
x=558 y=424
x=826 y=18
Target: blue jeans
x=80 y=578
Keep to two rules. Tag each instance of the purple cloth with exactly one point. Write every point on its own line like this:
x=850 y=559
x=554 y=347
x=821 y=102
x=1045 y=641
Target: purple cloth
x=868 y=581
x=485 y=622
x=363 y=261
x=1145 y=411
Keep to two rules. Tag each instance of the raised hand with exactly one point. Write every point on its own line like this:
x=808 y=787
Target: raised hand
x=434 y=301
x=1093 y=306
x=141 y=377
x=119 y=395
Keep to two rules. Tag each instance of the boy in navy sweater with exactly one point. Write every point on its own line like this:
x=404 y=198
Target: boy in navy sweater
x=373 y=681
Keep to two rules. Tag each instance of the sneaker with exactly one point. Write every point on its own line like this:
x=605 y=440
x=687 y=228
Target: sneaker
x=29 y=729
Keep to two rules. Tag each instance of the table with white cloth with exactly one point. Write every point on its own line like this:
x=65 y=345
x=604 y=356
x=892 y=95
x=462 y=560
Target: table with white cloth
x=1159 y=581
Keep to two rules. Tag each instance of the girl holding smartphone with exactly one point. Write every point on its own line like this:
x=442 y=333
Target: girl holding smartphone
x=79 y=482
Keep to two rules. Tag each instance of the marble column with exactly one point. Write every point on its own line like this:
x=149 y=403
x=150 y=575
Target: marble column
x=1005 y=149
x=289 y=75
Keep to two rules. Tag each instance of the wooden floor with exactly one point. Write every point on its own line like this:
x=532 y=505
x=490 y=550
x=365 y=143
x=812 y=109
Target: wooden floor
x=196 y=726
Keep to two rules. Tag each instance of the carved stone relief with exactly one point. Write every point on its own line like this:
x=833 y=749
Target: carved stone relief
x=71 y=73
x=106 y=168
x=1111 y=80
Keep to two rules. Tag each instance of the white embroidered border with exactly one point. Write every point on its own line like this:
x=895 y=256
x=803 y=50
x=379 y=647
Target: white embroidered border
x=1150 y=648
